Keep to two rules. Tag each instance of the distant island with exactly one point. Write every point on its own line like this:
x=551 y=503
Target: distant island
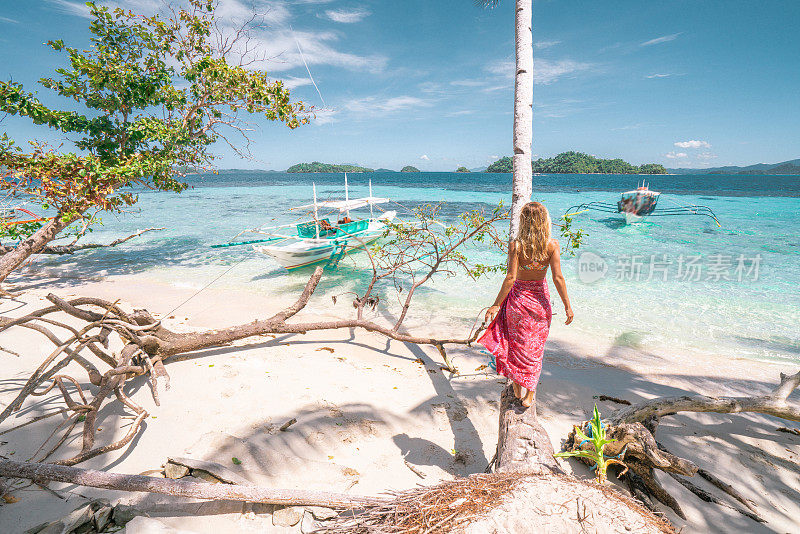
x=791 y=167
x=579 y=163
x=316 y=166
x=565 y=163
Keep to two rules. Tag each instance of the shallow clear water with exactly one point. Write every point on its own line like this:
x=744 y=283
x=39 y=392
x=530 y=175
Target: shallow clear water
x=716 y=302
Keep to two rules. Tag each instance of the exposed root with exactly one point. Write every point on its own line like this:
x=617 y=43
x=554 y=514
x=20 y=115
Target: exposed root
x=424 y=509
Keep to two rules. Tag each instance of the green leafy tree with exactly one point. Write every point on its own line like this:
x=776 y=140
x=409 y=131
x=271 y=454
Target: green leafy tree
x=316 y=166
x=504 y=164
x=652 y=168
x=579 y=163
x=158 y=92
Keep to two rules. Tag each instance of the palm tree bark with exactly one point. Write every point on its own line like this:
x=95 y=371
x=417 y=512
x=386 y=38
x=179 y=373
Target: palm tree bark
x=523 y=111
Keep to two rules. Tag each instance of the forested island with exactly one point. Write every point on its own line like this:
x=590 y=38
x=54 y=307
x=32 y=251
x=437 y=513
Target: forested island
x=409 y=168
x=316 y=166
x=579 y=163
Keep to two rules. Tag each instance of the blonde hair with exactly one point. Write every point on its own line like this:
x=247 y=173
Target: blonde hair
x=534 y=232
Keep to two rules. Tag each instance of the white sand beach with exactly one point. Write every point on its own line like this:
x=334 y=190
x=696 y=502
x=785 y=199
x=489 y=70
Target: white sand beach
x=373 y=413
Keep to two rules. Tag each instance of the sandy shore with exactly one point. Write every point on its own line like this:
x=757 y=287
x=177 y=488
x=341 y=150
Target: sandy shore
x=367 y=408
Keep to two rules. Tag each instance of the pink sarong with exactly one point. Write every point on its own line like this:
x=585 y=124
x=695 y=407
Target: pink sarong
x=516 y=336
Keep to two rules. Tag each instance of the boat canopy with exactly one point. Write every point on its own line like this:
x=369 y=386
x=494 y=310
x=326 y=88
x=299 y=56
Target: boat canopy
x=346 y=205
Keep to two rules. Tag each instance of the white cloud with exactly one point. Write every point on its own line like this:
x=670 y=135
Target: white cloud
x=468 y=83
x=707 y=155
x=275 y=41
x=10 y=21
x=324 y=116
x=374 y=106
x=693 y=144
x=541 y=45
x=676 y=155
x=293 y=82
x=651 y=76
x=461 y=113
x=347 y=16
x=662 y=39
x=425 y=157
x=545 y=71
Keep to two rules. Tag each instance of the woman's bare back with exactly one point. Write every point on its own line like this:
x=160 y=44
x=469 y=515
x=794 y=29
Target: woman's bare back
x=534 y=271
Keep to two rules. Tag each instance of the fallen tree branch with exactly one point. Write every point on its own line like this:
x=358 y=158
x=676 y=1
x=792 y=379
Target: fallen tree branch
x=61 y=250
x=182 y=487
x=773 y=404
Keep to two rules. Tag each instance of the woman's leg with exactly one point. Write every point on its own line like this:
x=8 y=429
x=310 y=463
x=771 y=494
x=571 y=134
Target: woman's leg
x=517 y=390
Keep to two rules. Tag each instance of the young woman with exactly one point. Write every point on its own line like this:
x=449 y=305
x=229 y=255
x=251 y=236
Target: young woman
x=520 y=316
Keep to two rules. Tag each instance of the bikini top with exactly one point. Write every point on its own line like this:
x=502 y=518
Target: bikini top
x=533 y=266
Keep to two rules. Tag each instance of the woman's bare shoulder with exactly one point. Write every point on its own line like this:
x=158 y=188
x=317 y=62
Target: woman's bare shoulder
x=552 y=246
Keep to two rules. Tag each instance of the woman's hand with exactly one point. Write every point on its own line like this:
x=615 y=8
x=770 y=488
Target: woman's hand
x=491 y=313
x=570 y=315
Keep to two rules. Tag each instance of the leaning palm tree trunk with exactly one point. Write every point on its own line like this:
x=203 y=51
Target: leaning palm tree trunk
x=523 y=111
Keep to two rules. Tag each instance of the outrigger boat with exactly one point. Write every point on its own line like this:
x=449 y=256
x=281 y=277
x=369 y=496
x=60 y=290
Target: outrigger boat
x=639 y=203
x=320 y=240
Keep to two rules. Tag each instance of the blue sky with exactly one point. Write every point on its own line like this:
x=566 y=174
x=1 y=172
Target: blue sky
x=686 y=83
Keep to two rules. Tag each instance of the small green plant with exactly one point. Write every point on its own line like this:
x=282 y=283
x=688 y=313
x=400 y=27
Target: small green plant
x=599 y=441
x=236 y=461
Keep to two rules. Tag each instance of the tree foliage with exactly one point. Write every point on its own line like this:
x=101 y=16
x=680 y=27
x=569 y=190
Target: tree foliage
x=579 y=163
x=462 y=169
x=504 y=164
x=157 y=92
x=316 y=166
x=409 y=168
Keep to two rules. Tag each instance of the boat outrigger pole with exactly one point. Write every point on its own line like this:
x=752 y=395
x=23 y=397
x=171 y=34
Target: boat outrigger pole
x=316 y=214
x=607 y=207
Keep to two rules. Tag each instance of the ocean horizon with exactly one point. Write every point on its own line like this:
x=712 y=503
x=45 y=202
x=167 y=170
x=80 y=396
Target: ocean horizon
x=671 y=283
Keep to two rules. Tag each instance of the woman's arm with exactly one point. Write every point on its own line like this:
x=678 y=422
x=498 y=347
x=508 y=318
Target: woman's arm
x=558 y=280
x=508 y=283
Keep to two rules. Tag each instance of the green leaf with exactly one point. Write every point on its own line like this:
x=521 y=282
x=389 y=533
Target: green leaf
x=236 y=461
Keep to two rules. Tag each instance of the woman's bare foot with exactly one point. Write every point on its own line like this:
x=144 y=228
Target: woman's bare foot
x=529 y=399
x=517 y=390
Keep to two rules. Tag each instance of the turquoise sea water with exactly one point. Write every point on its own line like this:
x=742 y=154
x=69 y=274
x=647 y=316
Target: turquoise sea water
x=675 y=282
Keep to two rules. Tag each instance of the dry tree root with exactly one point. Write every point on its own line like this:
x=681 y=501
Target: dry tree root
x=147 y=347
x=440 y=508
x=634 y=428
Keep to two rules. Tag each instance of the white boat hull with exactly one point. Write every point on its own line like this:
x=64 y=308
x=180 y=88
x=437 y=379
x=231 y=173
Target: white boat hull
x=297 y=253
x=632 y=217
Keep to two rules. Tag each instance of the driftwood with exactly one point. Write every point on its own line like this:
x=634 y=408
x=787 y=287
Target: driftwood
x=446 y=507
x=634 y=427
x=75 y=247
x=183 y=488
x=522 y=443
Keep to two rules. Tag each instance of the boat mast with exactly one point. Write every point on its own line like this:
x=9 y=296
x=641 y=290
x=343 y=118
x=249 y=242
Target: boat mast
x=371 y=216
x=346 y=196
x=316 y=214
